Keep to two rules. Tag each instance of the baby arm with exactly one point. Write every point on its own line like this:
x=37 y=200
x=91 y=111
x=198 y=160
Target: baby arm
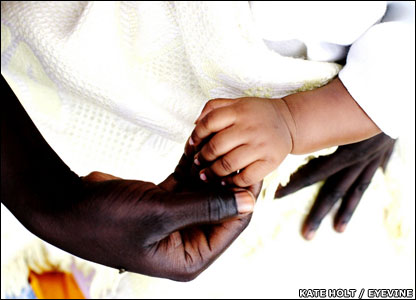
x=255 y=135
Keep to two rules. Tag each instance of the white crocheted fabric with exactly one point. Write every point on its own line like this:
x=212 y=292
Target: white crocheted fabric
x=116 y=86
x=131 y=77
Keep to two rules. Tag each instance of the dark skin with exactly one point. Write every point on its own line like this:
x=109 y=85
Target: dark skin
x=173 y=230
x=347 y=173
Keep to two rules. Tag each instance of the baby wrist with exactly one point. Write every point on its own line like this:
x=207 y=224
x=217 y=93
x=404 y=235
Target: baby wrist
x=283 y=110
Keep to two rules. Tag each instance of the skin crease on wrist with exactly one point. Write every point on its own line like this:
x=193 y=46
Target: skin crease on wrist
x=325 y=117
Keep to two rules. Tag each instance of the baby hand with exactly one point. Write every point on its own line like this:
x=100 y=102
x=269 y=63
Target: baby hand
x=252 y=135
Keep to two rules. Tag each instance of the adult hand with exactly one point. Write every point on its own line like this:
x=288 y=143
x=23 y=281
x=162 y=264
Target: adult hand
x=347 y=173
x=173 y=230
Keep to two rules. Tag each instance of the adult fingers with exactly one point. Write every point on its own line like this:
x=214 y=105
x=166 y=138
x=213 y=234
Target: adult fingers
x=315 y=170
x=214 y=104
x=213 y=122
x=354 y=194
x=367 y=148
x=322 y=167
x=387 y=155
x=182 y=170
x=333 y=189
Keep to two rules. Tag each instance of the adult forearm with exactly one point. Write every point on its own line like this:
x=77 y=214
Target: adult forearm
x=326 y=117
x=33 y=177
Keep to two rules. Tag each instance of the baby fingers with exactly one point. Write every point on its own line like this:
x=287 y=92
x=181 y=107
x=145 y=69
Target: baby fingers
x=250 y=175
x=214 y=121
x=221 y=143
x=214 y=104
x=237 y=159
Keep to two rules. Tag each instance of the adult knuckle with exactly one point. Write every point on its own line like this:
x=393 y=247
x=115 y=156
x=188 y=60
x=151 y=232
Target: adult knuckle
x=332 y=196
x=362 y=187
x=347 y=214
x=306 y=180
x=336 y=194
x=219 y=206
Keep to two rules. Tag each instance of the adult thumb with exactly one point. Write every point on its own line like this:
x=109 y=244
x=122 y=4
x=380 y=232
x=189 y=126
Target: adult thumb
x=211 y=207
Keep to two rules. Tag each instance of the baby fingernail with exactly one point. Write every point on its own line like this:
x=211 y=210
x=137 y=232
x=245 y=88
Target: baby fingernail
x=310 y=235
x=245 y=202
x=203 y=176
x=223 y=183
x=196 y=161
x=341 y=227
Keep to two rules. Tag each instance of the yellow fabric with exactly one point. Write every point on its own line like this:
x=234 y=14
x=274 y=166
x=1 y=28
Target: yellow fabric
x=55 y=285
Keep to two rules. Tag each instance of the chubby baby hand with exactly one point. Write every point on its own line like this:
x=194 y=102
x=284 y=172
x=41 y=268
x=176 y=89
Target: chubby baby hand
x=241 y=140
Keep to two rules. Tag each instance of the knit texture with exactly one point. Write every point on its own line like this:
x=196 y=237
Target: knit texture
x=129 y=78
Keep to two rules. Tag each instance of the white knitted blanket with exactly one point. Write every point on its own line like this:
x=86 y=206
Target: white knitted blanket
x=116 y=86
x=131 y=77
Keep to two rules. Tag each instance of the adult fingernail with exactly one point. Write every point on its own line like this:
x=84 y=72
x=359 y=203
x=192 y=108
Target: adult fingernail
x=341 y=227
x=245 y=202
x=191 y=141
x=310 y=235
x=203 y=176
